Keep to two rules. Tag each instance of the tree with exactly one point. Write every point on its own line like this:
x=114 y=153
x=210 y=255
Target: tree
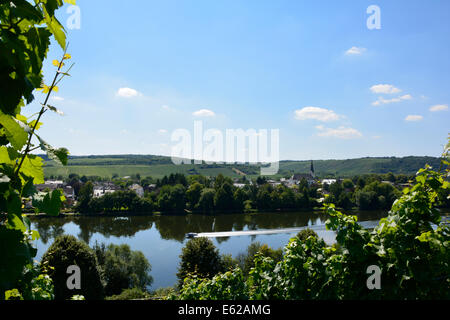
x=206 y=201
x=306 y=233
x=199 y=257
x=172 y=198
x=193 y=194
x=123 y=268
x=86 y=194
x=246 y=259
x=239 y=196
x=223 y=199
x=348 y=184
x=66 y=251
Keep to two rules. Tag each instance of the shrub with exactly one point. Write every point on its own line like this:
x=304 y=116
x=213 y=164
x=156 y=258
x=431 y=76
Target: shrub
x=306 y=233
x=122 y=268
x=246 y=259
x=65 y=251
x=199 y=257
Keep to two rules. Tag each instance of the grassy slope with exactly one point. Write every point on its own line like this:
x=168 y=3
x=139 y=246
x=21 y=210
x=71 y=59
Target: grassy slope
x=157 y=167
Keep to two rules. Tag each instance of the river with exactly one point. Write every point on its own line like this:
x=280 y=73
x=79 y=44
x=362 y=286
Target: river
x=161 y=238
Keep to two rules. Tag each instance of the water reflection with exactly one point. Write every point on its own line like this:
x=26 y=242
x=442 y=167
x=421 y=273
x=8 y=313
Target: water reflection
x=176 y=227
x=161 y=238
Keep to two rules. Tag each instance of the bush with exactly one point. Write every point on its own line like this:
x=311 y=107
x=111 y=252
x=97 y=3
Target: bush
x=306 y=233
x=65 y=251
x=122 y=268
x=199 y=257
x=246 y=260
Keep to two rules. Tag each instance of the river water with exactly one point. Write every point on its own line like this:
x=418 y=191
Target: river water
x=161 y=238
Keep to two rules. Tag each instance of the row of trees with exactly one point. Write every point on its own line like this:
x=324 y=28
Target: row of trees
x=368 y=194
x=203 y=195
x=178 y=194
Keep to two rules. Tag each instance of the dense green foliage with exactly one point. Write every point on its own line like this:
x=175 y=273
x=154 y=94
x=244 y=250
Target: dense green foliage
x=119 y=201
x=370 y=193
x=199 y=257
x=179 y=194
x=176 y=194
x=246 y=260
x=123 y=269
x=412 y=255
x=26 y=29
x=306 y=233
x=65 y=251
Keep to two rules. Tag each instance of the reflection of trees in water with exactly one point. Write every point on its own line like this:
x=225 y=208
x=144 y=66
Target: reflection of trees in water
x=49 y=228
x=172 y=227
x=222 y=239
x=369 y=215
x=112 y=226
x=176 y=227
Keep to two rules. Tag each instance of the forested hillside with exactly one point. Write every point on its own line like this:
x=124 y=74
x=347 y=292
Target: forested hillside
x=159 y=166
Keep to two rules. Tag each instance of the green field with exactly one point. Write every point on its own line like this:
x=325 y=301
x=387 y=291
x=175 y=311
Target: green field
x=155 y=171
x=158 y=166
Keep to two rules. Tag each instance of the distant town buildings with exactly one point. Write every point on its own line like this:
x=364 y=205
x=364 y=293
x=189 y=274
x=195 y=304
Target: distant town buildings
x=102 y=188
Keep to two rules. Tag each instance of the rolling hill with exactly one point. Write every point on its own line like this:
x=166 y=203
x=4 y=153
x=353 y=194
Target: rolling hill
x=158 y=166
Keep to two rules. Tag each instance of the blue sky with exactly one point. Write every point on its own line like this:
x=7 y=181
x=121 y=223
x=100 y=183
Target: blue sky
x=311 y=69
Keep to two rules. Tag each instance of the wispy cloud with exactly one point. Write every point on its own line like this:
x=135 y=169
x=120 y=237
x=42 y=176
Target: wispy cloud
x=439 y=107
x=57 y=98
x=384 y=88
x=127 y=93
x=204 y=113
x=413 y=117
x=316 y=113
x=381 y=100
x=340 y=132
x=355 y=51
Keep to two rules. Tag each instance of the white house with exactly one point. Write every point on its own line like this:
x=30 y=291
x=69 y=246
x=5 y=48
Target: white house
x=328 y=181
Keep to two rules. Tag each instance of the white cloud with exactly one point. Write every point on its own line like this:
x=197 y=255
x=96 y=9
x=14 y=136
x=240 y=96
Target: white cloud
x=340 y=132
x=316 y=113
x=162 y=131
x=57 y=98
x=355 y=51
x=204 y=113
x=381 y=100
x=412 y=117
x=439 y=107
x=127 y=93
x=384 y=88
